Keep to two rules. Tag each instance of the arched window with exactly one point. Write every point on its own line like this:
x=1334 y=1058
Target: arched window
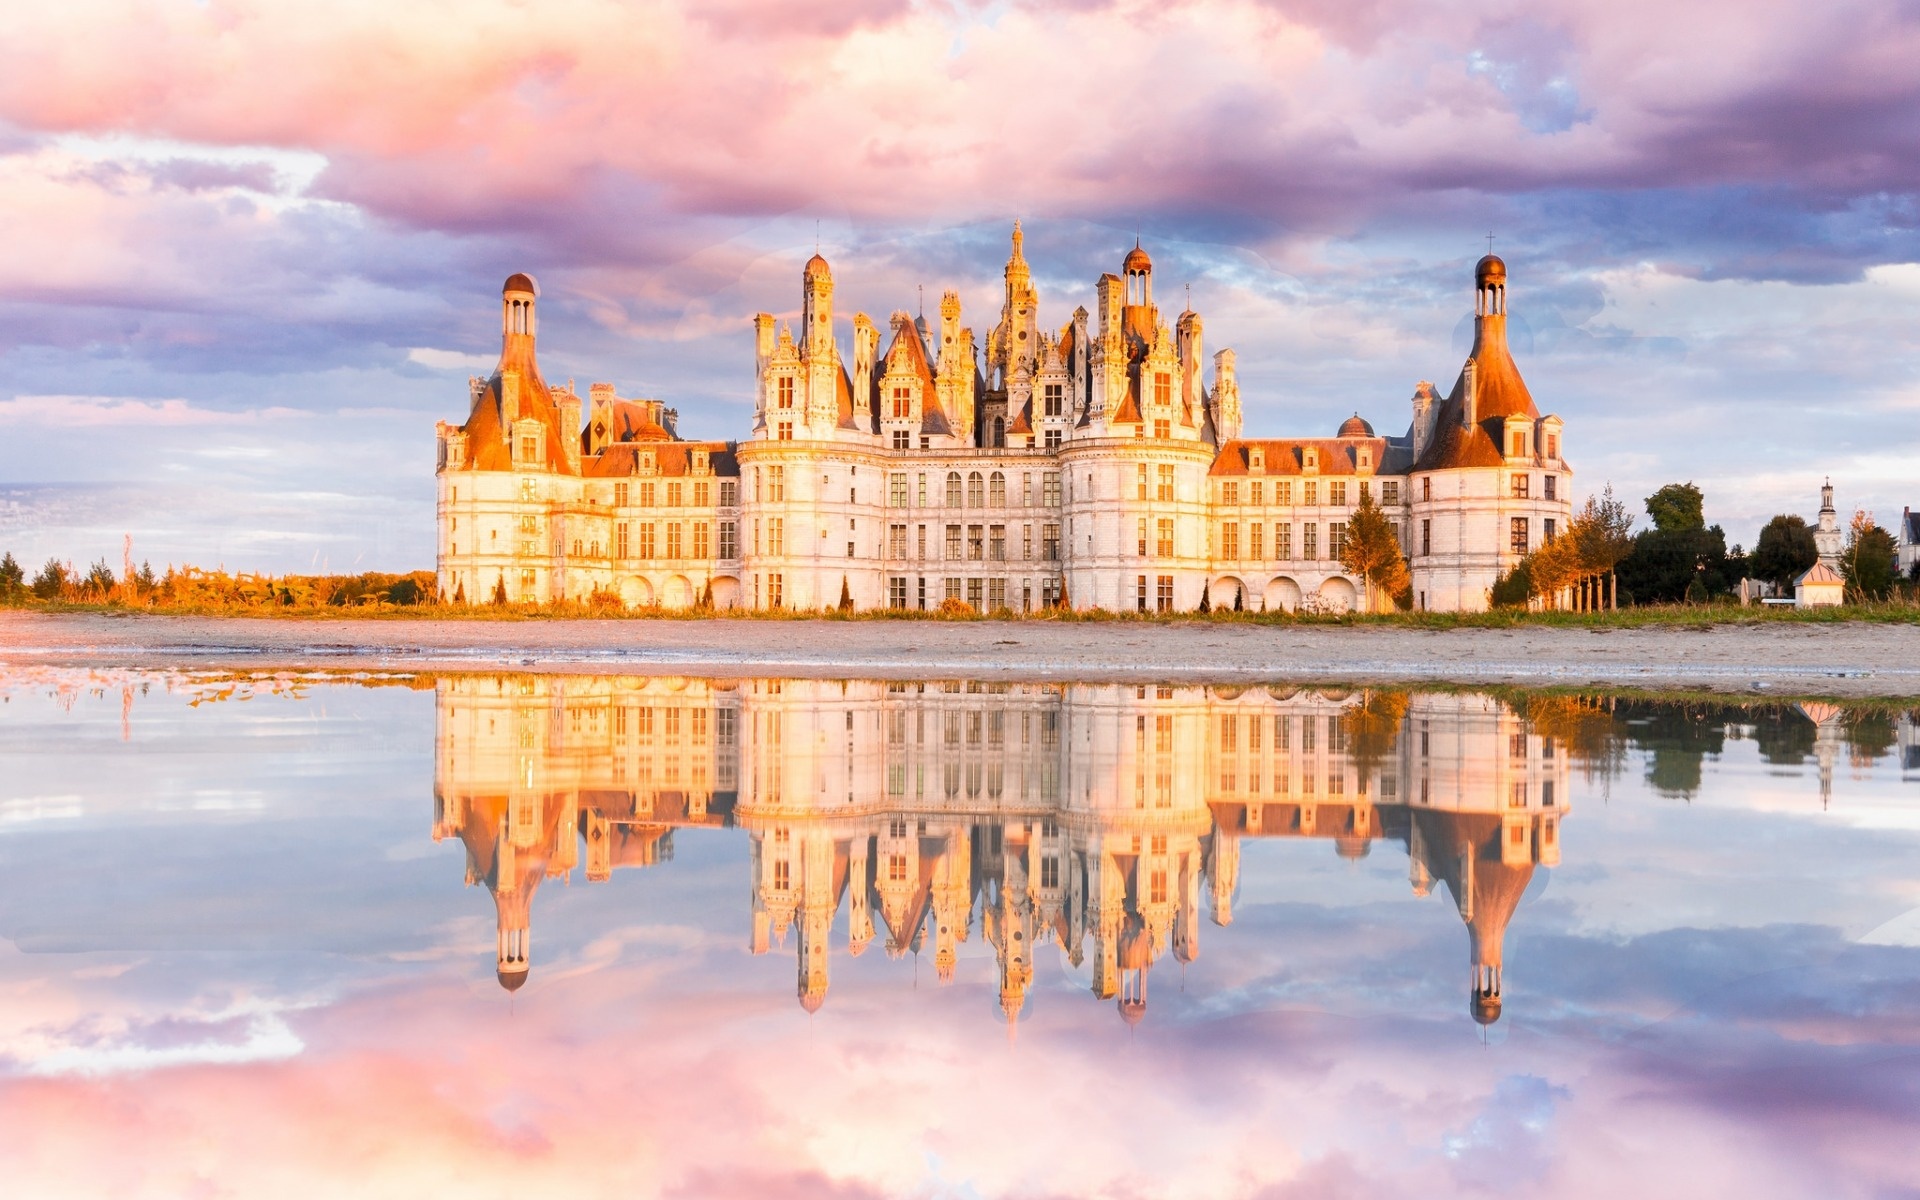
x=999 y=431
x=976 y=490
x=997 y=490
x=953 y=489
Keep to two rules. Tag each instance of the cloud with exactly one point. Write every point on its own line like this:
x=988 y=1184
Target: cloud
x=89 y=412
x=449 y=360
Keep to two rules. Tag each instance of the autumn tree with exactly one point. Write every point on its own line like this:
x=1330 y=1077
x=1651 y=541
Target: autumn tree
x=1372 y=552
x=1603 y=534
x=1868 y=562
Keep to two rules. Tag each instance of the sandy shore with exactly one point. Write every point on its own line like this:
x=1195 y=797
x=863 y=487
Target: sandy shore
x=1828 y=660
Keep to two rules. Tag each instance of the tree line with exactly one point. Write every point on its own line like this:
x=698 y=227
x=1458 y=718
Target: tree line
x=194 y=587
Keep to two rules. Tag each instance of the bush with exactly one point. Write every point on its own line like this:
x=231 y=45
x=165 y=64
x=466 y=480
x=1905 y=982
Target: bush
x=13 y=580
x=1515 y=588
x=955 y=608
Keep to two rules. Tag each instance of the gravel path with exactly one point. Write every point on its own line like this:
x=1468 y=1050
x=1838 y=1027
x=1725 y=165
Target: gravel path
x=1831 y=660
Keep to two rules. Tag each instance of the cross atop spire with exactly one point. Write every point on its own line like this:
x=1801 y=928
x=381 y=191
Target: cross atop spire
x=1489 y=242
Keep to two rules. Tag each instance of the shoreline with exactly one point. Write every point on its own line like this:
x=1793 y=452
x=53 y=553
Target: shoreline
x=1851 y=660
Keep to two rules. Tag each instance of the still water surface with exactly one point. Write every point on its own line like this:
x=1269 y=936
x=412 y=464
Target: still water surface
x=533 y=935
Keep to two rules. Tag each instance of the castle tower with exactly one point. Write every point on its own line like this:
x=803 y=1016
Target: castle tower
x=1138 y=269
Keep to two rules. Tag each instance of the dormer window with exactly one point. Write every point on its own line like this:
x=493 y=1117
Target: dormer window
x=1518 y=448
x=785 y=392
x=1256 y=459
x=1162 y=388
x=1311 y=459
x=1054 y=393
x=1553 y=446
x=903 y=403
x=1366 y=460
x=529 y=448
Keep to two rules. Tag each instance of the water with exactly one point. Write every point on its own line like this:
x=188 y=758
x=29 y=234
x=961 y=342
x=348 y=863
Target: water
x=532 y=935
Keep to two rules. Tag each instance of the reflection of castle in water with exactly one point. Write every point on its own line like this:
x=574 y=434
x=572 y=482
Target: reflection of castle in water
x=1088 y=816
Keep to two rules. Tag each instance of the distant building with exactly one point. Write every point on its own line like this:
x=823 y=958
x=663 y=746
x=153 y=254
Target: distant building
x=1819 y=585
x=1092 y=464
x=1906 y=541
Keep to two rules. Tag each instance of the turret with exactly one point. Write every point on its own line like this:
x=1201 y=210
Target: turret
x=866 y=345
x=817 y=281
x=1226 y=397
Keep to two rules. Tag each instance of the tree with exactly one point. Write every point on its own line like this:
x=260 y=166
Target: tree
x=1554 y=566
x=13 y=579
x=1372 y=552
x=499 y=589
x=51 y=581
x=1513 y=589
x=846 y=596
x=1603 y=533
x=1677 y=508
x=1868 y=562
x=1785 y=550
x=1680 y=547
x=99 y=581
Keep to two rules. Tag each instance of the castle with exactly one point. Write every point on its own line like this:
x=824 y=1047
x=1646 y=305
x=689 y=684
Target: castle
x=1094 y=465
x=1101 y=819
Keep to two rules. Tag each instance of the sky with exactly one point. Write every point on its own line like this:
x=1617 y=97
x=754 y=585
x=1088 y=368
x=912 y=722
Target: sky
x=233 y=962
x=255 y=248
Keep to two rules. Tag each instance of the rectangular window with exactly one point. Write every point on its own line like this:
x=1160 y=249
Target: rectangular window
x=1140 y=598
x=1310 y=540
x=1283 y=540
x=785 y=431
x=1230 y=540
x=976 y=543
x=896 y=541
x=897 y=592
x=673 y=539
x=902 y=440
x=1256 y=546
x=1050 y=542
x=953 y=543
x=902 y=403
x=1050 y=489
x=675 y=491
x=996 y=597
x=1519 y=447
x=702 y=494
x=1519 y=486
x=646 y=539
x=1163 y=428
x=1163 y=598
x=1143 y=537
x=776 y=590
x=1547 y=531
x=1426 y=488
x=1230 y=492
x=776 y=535
x=1140 y=481
x=975 y=596
x=1026 y=542
x=646 y=495
x=1426 y=536
x=619 y=495
x=1389 y=492
x=620 y=545
x=702 y=541
x=528 y=448
x=776 y=483
x=1517 y=535
x=920 y=543
x=729 y=493
x=1165 y=490
x=897 y=489
x=1054 y=393
x=1164 y=542
x=1053 y=439
x=1547 y=485
x=1336 y=539
x=784 y=392
x=1311 y=493
x=997 y=543
x=729 y=540
x=921 y=489
x=1162 y=388
x=1337 y=492
x=1257 y=493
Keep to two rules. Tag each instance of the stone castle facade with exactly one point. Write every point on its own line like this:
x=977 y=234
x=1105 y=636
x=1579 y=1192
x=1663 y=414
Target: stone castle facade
x=1095 y=464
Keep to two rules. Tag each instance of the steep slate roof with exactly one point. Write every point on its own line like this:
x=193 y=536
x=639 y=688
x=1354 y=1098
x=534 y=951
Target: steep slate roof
x=1499 y=393
x=487 y=448
x=670 y=459
x=1339 y=457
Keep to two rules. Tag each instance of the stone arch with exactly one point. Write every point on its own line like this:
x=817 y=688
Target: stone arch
x=1282 y=594
x=1339 y=594
x=726 y=592
x=677 y=593
x=1221 y=592
x=636 y=592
